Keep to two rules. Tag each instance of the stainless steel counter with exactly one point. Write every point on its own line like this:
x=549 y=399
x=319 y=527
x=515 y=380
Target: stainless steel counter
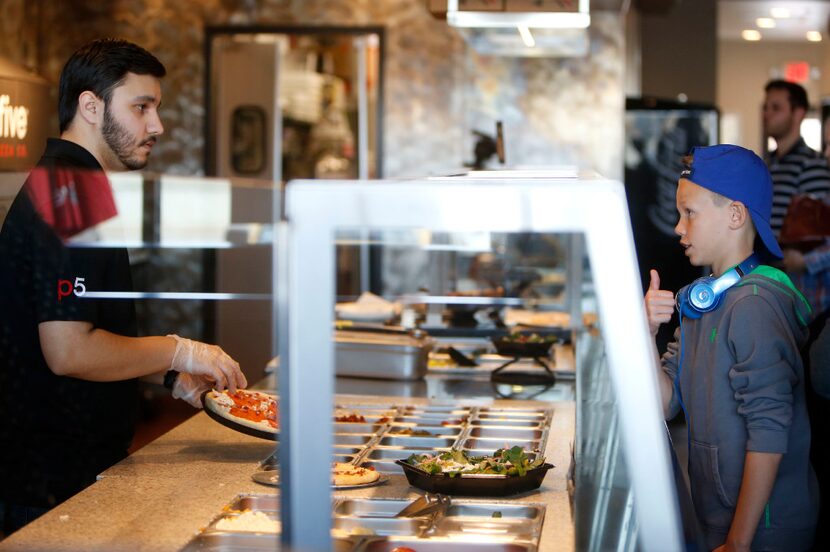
x=159 y=497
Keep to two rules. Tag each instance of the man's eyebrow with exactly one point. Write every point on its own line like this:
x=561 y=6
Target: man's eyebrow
x=146 y=98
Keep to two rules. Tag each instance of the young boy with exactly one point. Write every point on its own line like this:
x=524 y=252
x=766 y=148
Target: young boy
x=734 y=367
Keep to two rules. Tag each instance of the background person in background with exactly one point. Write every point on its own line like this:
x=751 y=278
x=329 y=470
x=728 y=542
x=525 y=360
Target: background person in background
x=69 y=364
x=797 y=169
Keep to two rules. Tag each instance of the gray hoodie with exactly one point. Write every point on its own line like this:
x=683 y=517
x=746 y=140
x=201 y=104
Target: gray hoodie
x=742 y=387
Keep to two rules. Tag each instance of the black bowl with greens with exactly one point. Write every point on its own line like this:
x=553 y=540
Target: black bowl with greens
x=524 y=344
x=506 y=472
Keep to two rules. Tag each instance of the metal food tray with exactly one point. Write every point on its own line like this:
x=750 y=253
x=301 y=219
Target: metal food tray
x=364 y=524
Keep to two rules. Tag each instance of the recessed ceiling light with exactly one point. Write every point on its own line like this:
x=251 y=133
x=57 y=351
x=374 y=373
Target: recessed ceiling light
x=765 y=23
x=780 y=13
x=814 y=36
x=751 y=34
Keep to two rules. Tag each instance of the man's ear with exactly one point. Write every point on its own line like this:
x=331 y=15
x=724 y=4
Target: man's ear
x=738 y=215
x=799 y=113
x=90 y=107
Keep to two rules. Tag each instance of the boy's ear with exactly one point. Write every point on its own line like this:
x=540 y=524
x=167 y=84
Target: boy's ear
x=738 y=215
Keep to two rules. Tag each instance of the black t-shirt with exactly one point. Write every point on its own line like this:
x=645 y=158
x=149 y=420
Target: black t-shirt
x=56 y=432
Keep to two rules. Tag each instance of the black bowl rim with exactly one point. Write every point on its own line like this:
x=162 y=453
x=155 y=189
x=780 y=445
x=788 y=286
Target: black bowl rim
x=472 y=476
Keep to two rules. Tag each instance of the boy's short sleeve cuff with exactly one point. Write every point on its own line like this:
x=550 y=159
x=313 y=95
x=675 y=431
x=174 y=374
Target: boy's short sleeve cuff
x=766 y=440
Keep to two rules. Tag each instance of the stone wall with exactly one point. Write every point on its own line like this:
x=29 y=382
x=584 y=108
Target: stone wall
x=437 y=90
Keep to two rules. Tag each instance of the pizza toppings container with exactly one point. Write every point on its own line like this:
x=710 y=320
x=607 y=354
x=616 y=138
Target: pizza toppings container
x=382 y=526
x=506 y=433
x=417 y=442
x=492 y=444
x=363 y=507
x=418 y=431
x=444 y=545
x=503 y=511
x=512 y=422
x=261 y=502
x=345 y=427
x=351 y=439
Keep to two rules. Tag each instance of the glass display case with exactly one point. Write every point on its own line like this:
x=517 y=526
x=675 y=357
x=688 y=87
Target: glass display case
x=630 y=498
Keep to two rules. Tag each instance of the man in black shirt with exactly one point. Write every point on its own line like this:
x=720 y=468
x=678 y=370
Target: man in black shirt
x=68 y=364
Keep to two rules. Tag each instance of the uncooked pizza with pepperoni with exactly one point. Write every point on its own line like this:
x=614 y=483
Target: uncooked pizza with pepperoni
x=247 y=408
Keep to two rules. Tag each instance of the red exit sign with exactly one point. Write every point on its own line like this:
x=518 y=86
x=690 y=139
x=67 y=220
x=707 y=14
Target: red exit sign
x=797 y=71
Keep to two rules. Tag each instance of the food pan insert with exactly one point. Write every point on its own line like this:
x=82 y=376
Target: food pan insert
x=360 y=526
x=365 y=507
x=417 y=442
x=493 y=444
x=445 y=545
x=492 y=432
x=261 y=502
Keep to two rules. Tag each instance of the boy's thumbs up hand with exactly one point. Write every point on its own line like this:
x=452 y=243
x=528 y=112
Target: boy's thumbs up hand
x=654 y=283
x=659 y=303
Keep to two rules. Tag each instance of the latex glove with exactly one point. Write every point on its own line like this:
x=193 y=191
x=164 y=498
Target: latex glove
x=209 y=361
x=190 y=388
x=659 y=304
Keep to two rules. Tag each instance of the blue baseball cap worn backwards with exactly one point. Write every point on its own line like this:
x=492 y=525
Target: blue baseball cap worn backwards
x=740 y=175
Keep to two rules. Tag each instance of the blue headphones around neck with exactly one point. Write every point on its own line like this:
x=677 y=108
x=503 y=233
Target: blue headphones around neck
x=704 y=294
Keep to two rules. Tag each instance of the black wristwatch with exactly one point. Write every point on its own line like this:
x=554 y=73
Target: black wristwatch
x=170 y=379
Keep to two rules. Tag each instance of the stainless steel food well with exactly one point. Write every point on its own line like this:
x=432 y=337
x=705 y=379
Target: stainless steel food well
x=493 y=528
x=506 y=432
x=505 y=421
x=444 y=545
x=448 y=421
x=501 y=510
x=261 y=502
x=370 y=507
x=493 y=444
x=352 y=438
x=212 y=526
x=511 y=414
x=418 y=442
x=362 y=526
x=251 y=542
x=351 y=427
x=395 y=453
x=435 y=430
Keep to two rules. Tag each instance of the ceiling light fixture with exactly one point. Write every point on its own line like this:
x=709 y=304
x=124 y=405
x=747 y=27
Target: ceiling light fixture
x=765 y=23
x=527 y=38
x=751 y=34
x=780 y=13
x=814 y=36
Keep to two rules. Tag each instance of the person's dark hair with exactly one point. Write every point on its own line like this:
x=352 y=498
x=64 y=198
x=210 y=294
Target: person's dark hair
x=797 y=93
x=100 y=67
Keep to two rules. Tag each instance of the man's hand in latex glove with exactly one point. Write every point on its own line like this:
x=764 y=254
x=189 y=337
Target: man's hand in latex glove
x=190 y=388
x=209 y=361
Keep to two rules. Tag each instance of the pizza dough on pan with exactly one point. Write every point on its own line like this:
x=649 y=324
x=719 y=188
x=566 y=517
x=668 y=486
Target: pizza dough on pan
x=247 y=408
x=343 y=474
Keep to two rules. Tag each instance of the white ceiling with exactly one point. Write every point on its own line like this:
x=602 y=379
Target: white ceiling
x=736 y=15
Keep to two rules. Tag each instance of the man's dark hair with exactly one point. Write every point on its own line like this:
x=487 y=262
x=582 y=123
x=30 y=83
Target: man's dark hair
x=100 y=67
x=797 y=94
